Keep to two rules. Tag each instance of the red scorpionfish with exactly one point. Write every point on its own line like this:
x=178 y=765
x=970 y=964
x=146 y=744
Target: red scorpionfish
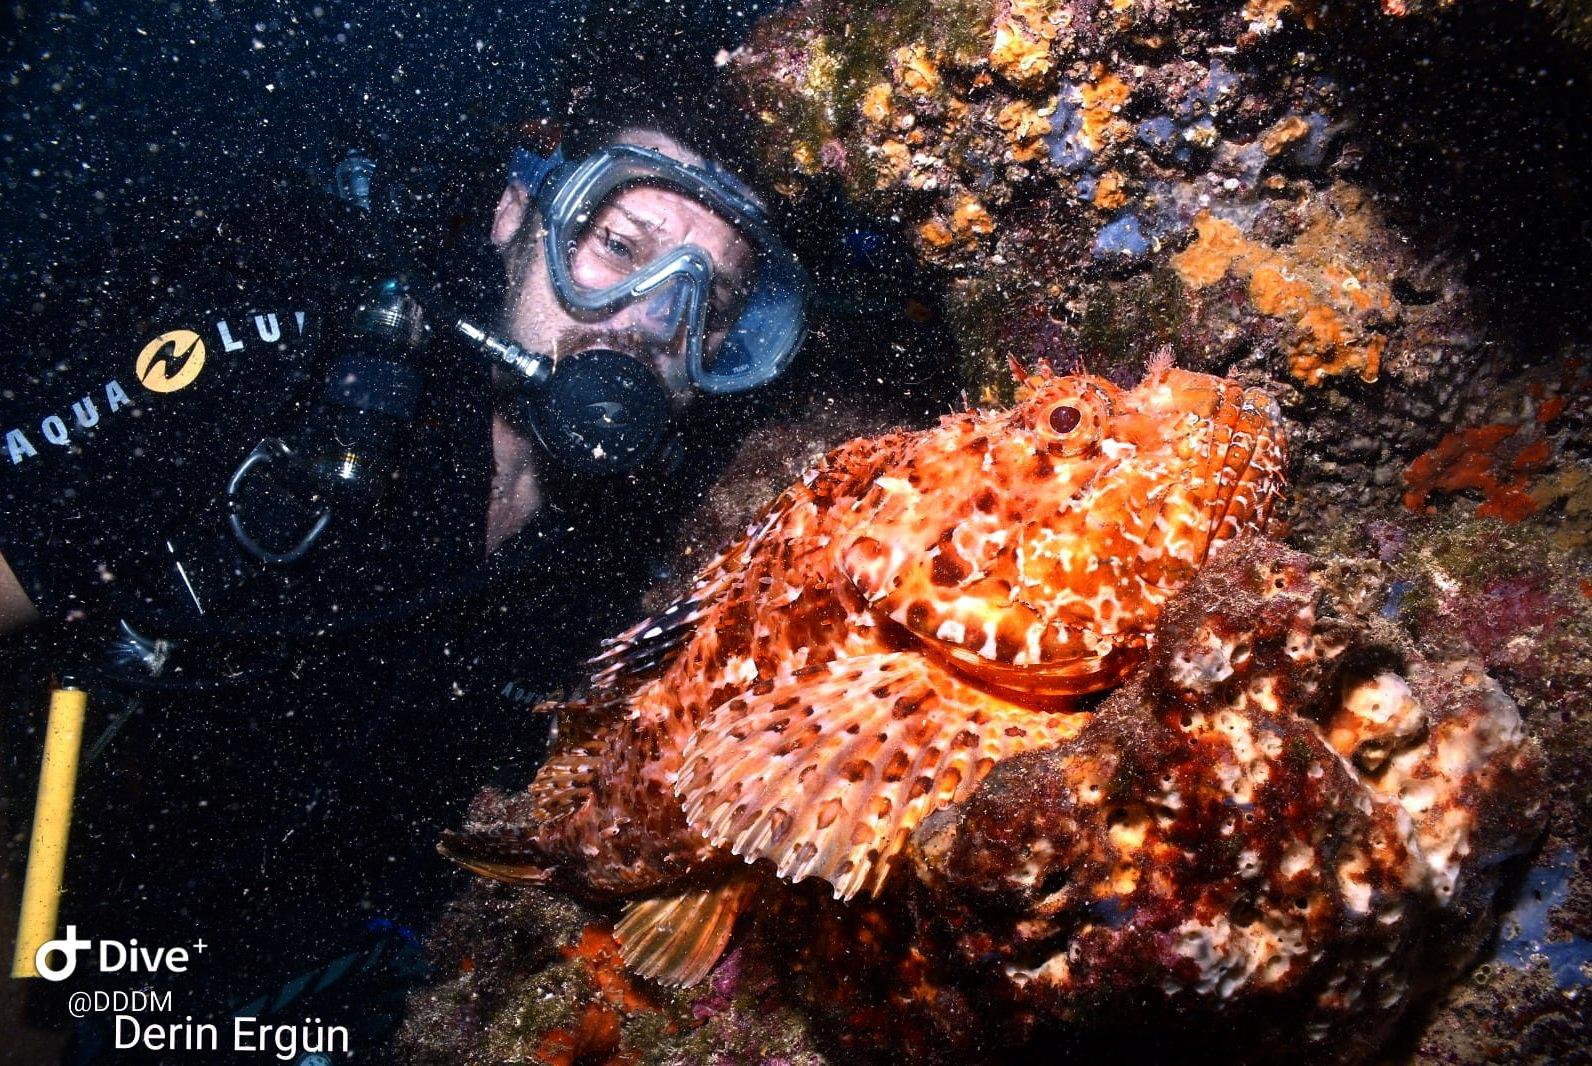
x=920 y=606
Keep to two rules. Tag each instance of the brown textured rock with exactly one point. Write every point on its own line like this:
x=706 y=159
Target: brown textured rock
x=1280 y=833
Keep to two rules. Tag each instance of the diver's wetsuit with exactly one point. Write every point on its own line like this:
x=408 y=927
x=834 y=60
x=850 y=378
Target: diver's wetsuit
x=278 y=818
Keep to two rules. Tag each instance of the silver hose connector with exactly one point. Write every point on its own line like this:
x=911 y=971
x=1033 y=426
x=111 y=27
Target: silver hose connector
x=533 y=368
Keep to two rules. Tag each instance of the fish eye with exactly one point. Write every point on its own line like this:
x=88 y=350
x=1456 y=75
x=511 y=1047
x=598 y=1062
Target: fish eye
x=1064 y=418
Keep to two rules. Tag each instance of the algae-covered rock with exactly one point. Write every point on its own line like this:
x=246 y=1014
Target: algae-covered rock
x=1344 y=198
x=530 y=976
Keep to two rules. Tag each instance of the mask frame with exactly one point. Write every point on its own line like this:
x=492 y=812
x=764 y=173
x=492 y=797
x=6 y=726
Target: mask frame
x=771 y=324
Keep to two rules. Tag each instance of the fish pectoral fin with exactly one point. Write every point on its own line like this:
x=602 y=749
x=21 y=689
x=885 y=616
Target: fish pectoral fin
x=501 y=855
x=647 y=648
x=563 y=783
x=826 y=771
x=677 y=939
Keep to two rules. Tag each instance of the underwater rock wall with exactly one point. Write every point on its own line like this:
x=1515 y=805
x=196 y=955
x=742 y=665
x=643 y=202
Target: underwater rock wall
x=1100 y=178
x=1286 y=829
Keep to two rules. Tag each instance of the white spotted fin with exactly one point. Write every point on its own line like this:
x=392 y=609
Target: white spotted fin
x=825 y=772
x=647 y=648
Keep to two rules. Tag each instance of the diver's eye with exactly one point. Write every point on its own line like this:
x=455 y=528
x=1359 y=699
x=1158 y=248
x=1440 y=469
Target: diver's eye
x=1065 y=419
x=618 y=249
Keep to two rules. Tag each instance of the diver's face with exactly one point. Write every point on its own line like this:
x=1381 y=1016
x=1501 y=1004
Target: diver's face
x=633 y=227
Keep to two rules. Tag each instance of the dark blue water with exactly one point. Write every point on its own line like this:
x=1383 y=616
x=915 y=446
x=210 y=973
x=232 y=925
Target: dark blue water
x=107 y=106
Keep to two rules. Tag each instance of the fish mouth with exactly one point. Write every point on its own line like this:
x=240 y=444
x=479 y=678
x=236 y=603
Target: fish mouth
x=1059 y=683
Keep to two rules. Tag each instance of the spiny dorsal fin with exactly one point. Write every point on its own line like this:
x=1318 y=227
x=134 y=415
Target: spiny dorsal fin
x=646 y=647
x=677 y=939
x=825 y=772
x=649 y=646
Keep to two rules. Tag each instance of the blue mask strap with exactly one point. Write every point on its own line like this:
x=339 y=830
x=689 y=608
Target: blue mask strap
x=530 y=169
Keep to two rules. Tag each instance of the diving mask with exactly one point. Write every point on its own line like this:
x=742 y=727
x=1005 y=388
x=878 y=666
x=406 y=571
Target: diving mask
x=732 y=341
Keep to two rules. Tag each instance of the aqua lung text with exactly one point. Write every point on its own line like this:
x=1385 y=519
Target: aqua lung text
x=166 y=363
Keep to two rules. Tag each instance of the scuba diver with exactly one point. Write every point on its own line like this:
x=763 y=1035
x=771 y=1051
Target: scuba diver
x=317 y=556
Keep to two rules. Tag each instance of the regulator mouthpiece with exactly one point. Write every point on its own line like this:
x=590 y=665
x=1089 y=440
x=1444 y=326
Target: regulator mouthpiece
x=598 y=412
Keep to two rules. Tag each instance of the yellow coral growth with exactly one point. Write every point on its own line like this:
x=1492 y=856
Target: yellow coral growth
x=970 y=219
x=1284 y=133
x=1279 y=294
x=876 y=103
x=1020 y=51
x=1102 y=99
x=968 y=222
x=1265 y=16
x=1022 y=121
x=1024 y=125
x=1110 y=193
x=1320 y=301
x=1217 y=246
x=896 y=161
x=935 y=234
x=915 y=71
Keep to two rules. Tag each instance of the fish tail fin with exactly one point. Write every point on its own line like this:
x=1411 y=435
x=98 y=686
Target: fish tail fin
x=677 y=939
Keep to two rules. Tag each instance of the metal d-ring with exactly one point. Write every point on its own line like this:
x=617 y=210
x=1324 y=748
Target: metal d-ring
x=269 y=450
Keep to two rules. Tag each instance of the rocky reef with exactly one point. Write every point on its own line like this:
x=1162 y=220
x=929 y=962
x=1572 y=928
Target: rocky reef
x=1287 y=827
x=1284 y=832
x=1271 y=189
x=533 y=977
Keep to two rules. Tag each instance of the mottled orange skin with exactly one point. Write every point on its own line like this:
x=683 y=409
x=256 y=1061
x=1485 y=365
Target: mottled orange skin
x=918 y=607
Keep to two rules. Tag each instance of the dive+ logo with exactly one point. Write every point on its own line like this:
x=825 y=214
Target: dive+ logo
x=113 y=955
x=171 y=361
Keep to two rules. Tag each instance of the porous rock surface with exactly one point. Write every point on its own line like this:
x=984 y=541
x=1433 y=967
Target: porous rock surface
x=1284 y=829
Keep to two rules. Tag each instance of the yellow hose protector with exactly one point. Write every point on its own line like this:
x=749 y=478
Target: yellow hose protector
x=52 y=818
